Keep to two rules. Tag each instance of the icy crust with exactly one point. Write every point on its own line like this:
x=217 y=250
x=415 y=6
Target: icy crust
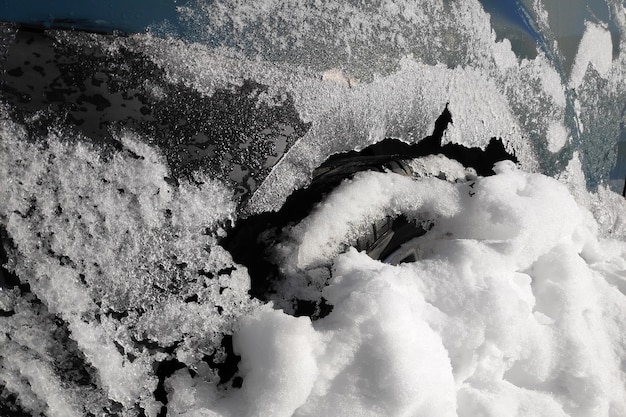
x=491 y=93
x=608 y=207
x=124 y=261
x=515 y=307
x=600 y=100
x=410 y=60
x=347 y=34
x=497 y=97
x=406 y=105
x=543 y=112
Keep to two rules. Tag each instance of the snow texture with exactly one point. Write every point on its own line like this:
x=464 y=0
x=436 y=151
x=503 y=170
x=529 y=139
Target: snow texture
x=114 y=253
x=515 y=307
x=596 y=48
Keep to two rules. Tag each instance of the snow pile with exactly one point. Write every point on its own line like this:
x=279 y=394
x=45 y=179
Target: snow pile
x=515 y=307
x=307 y=250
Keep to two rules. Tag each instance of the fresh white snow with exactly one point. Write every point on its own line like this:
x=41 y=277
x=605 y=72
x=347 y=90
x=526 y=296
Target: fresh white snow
x=516 y=306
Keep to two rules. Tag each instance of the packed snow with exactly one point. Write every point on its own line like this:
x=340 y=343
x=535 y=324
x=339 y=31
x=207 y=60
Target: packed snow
x=557 y=137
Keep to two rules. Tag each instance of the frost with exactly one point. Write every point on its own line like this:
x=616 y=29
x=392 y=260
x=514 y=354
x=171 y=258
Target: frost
x=449 y=54
x=326 y=33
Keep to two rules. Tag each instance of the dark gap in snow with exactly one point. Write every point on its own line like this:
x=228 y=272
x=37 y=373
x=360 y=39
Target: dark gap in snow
x=25 y=291
x=313 y=309
x=10 y=405
x=390 y=149
x=481 y=160
x=245 y=244
x=237 y=382
x=155 y=346
x=7 y=278
x=192 y=298
x=226 y=367
x=389 y=234
x=119 y=348
x=140 y=412
x=114 y=409
x=116 y=315
x=205 y=273
x=226 y=271
x=69 y=361
x=165 y=369
x=173 y=182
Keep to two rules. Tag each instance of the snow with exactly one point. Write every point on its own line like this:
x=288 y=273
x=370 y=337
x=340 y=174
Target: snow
x=515 y=307
x=347 y=215
x=557 y=137
x=595 y=48
x=505 y=305
x=278 y=360
x=97 y=235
